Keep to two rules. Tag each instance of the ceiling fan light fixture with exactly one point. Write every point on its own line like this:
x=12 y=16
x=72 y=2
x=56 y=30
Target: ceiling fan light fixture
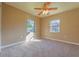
x=45 y=12
x=45 y=9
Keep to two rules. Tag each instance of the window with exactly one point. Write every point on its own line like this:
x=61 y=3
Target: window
x=55 y=26
x=30 y=26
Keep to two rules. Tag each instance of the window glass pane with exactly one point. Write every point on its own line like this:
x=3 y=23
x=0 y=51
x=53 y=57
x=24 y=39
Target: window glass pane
x=30 y=26
x=55 y=26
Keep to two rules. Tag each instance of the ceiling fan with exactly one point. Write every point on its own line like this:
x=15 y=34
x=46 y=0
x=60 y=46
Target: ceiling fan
x=45 y=9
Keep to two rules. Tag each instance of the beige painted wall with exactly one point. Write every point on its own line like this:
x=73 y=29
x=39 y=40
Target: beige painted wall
x=69 y=26
x=14 y=24
x=0 y=23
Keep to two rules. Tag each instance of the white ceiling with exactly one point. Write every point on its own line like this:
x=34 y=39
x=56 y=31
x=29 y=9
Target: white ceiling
x=29 y=7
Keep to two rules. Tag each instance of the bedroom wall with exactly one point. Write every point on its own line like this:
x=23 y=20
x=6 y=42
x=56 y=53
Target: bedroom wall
x=0 y=22
x=69 y=26
x=14 y=24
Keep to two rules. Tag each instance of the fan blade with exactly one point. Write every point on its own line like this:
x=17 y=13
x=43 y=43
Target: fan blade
x=52 y=8
x=38 y=8
x=40 y=13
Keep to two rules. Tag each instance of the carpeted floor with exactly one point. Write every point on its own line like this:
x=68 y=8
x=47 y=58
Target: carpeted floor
x=41 y=48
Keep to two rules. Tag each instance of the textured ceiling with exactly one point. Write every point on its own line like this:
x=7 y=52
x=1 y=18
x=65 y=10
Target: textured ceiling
x=29 y=7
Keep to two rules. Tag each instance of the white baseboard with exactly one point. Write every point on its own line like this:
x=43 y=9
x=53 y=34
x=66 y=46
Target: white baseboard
x=13 y=44
x=63 y=41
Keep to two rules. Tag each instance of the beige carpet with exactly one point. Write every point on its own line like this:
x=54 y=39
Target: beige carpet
x=41 y=48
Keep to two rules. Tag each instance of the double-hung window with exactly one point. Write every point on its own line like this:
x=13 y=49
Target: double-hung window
x=55 y=26
x=30 y=26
